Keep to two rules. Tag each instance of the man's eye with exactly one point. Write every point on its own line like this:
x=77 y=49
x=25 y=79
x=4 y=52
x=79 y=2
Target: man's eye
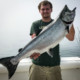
x=47 y=9
x=42 y=9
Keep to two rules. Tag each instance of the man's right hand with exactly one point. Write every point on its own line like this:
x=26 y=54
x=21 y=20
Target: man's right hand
x=35 y=55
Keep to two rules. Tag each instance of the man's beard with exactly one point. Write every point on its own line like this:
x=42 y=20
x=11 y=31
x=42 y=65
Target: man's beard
x=46 y=17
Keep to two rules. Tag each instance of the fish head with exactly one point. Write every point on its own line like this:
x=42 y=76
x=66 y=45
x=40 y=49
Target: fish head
x=67 y=15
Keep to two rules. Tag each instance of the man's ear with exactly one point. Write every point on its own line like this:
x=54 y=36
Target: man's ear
x=39 y=10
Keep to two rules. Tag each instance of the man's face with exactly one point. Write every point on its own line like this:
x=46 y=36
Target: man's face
x=45 y=11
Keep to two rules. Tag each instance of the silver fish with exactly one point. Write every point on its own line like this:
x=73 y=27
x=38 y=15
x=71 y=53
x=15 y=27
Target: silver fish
x=48 y=38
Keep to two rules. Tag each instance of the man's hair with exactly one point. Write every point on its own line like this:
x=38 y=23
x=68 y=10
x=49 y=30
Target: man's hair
x=45 y=2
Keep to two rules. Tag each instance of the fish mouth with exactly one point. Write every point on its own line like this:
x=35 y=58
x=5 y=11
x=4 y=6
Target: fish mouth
x=68 y=22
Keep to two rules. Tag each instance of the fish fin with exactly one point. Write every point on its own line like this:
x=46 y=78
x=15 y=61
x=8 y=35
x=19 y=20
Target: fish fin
x=20 y=50
x=67 y=28
x=50 y=53
x=10 y=67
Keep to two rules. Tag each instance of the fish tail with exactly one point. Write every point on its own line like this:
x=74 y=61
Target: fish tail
x=10 y=67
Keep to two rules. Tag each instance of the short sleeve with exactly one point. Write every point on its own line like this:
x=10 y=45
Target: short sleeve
x=32 y=30
x=35 y=27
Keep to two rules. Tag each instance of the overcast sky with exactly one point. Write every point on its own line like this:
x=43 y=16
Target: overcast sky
x=16 y=17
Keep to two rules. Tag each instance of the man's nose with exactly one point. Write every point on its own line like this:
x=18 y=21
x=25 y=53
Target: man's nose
x=45 y=10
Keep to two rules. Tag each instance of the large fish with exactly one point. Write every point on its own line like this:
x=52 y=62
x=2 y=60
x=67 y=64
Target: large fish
x=49 y=37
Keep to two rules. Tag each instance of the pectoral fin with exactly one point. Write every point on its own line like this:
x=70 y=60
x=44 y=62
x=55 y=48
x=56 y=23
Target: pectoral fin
x=50 y=53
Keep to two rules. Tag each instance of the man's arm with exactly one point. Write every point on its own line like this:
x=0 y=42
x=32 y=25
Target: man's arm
x=33 y=35
x=70 y=35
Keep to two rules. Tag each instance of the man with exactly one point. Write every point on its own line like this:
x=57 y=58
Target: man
x=44 y=67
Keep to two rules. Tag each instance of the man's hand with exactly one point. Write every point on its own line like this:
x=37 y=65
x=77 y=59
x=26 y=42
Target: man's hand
x=70 y=35
x=35 y=55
